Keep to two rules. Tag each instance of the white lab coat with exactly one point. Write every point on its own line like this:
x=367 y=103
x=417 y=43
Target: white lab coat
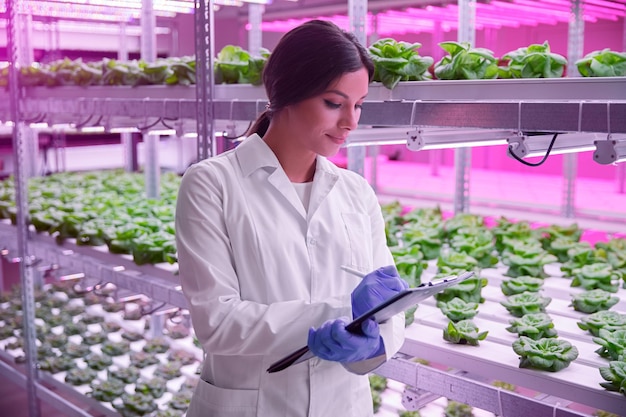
x=259 y=271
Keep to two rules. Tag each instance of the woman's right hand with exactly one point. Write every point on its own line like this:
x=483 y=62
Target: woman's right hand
x=376 y=287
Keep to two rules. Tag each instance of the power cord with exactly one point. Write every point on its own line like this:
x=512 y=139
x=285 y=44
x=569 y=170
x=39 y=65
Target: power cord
x=534 y=164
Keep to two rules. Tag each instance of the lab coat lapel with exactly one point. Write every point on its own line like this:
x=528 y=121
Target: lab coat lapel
x=323 y=182
x=281 y=182
x=253 y=154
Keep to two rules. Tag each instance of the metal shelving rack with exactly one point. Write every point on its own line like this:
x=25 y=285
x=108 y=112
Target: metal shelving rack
x=556 y=105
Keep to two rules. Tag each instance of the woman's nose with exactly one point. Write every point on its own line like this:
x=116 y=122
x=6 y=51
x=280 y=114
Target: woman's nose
x=350 y=119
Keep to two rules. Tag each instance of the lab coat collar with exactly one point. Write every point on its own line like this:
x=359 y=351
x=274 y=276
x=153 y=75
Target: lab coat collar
x=253 y=154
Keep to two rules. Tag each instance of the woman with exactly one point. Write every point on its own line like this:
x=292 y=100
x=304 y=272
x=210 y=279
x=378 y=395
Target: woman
x=262 y=232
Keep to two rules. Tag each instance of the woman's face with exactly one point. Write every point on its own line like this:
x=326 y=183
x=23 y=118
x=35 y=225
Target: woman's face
x=322 y=123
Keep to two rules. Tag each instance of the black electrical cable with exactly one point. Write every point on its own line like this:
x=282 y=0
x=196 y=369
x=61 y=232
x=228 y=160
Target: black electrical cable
x=535 y=164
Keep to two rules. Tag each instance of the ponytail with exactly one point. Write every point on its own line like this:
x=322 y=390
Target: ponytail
x=260 y=125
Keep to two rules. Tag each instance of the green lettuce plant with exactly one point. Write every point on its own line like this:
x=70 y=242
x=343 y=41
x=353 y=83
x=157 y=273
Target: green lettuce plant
x=469 y=290
x=603 y=319
x=534 y=325
x=533 y=61
x=521 y=284
x=602 y=63
x=525 y=303
x=456 y=260
x=427 y=238
x=548 y=354
x=457 y=309
x=463 y=332
x=235 y=65
x=465 y=63
x=612 y=344
x=597 y=276
x=460 y=221
x=396 y=61
x=477 y=243
x=592 y=301
x=527 y=258
x=410 y=263
x=457 y=409
x=615 y=376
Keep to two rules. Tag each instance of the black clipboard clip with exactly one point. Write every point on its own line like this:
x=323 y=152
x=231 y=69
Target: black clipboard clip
x=381 y=313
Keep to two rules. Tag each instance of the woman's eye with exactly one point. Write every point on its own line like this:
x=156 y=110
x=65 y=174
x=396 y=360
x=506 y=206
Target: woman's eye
x=332 y=105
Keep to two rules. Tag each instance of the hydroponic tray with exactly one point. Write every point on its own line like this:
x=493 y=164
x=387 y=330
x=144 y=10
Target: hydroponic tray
x=494 y=357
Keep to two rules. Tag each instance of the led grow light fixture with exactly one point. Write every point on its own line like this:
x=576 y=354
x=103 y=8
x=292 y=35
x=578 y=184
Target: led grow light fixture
x=418 y=139
x=527 y=146
x=610 y=151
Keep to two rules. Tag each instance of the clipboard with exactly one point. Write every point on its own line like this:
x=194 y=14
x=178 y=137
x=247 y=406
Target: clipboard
x=381 y=313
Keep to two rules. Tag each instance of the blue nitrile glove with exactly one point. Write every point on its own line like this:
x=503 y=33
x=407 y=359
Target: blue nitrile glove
x=332 y=342
x=376 y=287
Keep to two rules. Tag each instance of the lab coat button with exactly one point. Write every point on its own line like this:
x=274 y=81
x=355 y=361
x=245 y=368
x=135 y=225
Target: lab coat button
x=312 y=242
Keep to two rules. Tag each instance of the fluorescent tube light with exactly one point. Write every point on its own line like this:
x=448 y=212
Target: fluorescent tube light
x=454 y=138
x=610 y=151
x=417 y=139
x=529 y=146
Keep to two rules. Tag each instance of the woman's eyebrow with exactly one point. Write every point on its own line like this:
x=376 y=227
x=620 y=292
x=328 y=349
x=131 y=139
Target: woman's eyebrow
x=339 y=93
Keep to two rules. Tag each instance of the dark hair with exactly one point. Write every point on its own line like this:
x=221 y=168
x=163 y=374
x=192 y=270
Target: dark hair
x=305 y=62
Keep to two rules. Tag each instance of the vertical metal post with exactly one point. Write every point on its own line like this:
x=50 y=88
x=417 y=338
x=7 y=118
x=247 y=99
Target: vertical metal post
x=255 y=35
x=463 y=156
x=357 y=14
x=570 y=164
x=620 y=178
x=205 y=78
x=25 y=57
x=21 y=201
x=148 y=32
x=151 y=142
x=126 y=138
x=575 y=42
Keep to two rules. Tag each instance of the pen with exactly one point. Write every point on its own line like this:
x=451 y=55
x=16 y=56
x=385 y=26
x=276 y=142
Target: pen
x=353 y=271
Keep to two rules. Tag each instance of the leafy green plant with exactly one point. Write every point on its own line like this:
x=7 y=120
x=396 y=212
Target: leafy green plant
x=525 y=303
x=592 y=301
x=527 y=258
x=457 y=309
x=521 y=284
x=136 y=404
x=580 y=256
x=409 y=263
x=427 y=238
x=465 y=63
x=154 y=387
x=463 y=332
x=604 y=319
x=548 y=354
x=456 y=260
x=396 y=61
x=615 y=376
x=377 y=382
x=234 y=65
x=602 y=63
x=457 y=409
x=534 y=325
x=409 y=414
x=469 y=290
x=597 y=276
x=533 y=61
x=463 y=221
x=477 y=243
x=107 y=390
x=612 y=344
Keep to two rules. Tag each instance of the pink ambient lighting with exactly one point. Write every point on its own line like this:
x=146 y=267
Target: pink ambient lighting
x=488 y=15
